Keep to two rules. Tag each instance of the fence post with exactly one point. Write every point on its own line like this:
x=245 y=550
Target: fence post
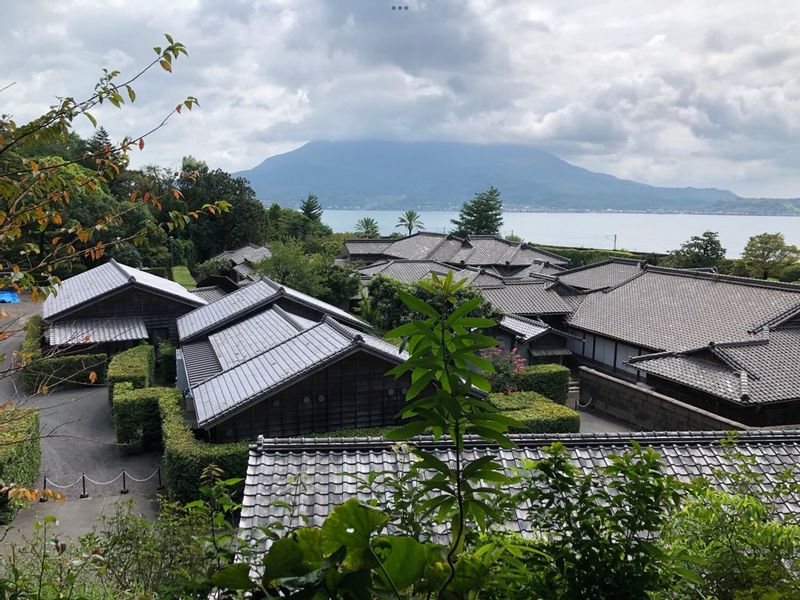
x=124 y=489
x=83 y=485
x=160 y=485
x=42 y=498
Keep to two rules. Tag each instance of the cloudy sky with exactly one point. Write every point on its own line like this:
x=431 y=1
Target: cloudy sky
x=668 y=93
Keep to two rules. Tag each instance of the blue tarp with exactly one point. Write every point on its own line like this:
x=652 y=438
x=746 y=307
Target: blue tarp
x=9 y=297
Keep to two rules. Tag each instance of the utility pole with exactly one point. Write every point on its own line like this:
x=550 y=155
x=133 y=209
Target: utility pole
x=615 y=241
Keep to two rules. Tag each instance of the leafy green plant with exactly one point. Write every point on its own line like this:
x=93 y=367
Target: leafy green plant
x=20 y=454
x=596 y=530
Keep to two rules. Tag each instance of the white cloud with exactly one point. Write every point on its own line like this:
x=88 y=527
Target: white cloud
x=671 y=93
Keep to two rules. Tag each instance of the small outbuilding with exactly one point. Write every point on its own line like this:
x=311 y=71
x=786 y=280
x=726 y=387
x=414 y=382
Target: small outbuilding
x=114 y=306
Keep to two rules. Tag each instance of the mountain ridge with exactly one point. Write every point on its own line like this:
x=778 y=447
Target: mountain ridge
x=374 y=175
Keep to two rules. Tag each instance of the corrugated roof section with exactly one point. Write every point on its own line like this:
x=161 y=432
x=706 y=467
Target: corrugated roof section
x=313 y=475
x=200 y=362
x=95 y=331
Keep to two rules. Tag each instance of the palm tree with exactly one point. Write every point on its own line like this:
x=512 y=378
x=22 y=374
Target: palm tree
x=368 y=228
x=410 y=220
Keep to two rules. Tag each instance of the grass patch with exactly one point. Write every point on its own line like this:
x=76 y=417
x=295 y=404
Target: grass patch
x=182 y=275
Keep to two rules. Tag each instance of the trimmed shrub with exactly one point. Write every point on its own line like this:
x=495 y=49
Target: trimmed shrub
x=20 y=453
x=185 y=457
x=135 y=365
x=538 y=413
x=66 y=370
x=165 y=364
x=551 y=381
x=137 y=417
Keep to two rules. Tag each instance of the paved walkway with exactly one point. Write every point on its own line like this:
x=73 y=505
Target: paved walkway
x=78 y=437
x=594 y=423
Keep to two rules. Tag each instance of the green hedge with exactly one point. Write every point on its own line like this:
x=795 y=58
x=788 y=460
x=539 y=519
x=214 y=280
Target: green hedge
x=20 y=453
x=165 y=364
x=551 y=381
x=60 y=370
x=185 y=457
x=538 y=413
x=137 y=417
x=136 y=365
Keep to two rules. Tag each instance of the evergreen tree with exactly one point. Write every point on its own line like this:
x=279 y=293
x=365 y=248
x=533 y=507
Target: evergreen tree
x=483 y=215
x=311 y=208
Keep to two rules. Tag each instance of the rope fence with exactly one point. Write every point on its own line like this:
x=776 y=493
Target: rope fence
x=124 y=475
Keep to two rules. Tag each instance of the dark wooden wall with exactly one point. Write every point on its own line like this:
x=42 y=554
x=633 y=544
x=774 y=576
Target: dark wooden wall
x=353 y=393
x=158 y=312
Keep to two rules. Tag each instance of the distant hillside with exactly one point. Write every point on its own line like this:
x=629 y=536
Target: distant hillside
x=440 y=176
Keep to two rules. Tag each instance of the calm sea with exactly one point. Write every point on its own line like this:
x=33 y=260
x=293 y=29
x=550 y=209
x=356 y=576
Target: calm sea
x=633 y=231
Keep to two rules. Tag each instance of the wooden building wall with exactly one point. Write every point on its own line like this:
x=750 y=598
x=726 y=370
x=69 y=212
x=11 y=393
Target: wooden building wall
x=352 y=393
x=159 y=312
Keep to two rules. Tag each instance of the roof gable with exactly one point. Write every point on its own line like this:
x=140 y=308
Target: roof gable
x=247 y=300
x=601 y=275
x=96 y=283
x=281 y=365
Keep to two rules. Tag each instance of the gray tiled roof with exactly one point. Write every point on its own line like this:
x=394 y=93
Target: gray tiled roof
x=251 y=253
x=538 y=269
x=750 y=372
x=528 y=298
x=259 y=376
x=366 y=247
x=672 y=309
x=246 y=300
x=407 y=271
x=217 y=313
x=601 y=275
x=112 y=276
x=479 y=250
x=94 y=331
x=241 y=342
x=312 y=476
x=209 y=293
x=525 y=329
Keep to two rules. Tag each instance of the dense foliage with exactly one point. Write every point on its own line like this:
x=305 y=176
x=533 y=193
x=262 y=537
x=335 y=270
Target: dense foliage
x=384 y=308
x=314 y=274
x=483 y=215
x=20 y=454
x=768 y=255
x=700 y=251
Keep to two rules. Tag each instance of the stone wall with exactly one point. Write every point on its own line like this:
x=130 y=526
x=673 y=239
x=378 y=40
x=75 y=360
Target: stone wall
x=644 y=409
